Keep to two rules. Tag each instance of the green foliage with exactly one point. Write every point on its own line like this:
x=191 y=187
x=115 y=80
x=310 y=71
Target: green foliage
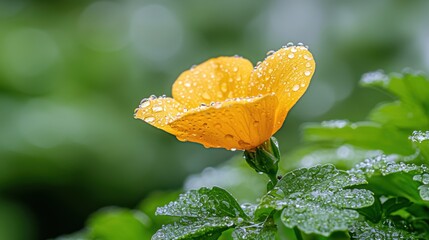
x=316 y=201
x=382 y=194
x=367 y=230
x=204 y=213
x=114 y=224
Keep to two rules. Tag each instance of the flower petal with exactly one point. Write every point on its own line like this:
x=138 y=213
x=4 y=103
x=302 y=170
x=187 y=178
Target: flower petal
x=286 y=73
x=242 y=123
x=212 y=81
x=158 y=112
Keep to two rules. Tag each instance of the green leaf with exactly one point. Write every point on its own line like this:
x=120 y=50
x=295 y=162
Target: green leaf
x=401 y=115
x=255 y=232
x=118 y=224
x=421 y=140
x=387 y=177
x=188 y=228
x=204 y=213
x=373 y=212
x=368 y=231
x=317 y=200
x=394 y=204
x=368 y=135
x=409 y=87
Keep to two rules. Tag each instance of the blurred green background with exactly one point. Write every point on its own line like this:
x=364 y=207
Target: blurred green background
x=72 y=72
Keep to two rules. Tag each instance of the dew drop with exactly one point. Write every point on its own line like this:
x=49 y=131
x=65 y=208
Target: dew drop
x=144 y=104
x=233 y=149
x=291 y=55
x=206 y=96
x=256 y=123
x=149 y=119
x=270 y=70
x=229 y=137
x=157 y=109
x=182 y=139
x=289 y=44
x=293 y=49
x=218 y=125
x=307 y=73
x=295 y=88
x=235 y=69
x=243 y=143
x=224 y=87
x=270 y=52
x=308 y=65
x=302 y=84
x=187 y=84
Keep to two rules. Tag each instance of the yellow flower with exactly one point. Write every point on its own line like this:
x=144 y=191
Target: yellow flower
x=225 y=102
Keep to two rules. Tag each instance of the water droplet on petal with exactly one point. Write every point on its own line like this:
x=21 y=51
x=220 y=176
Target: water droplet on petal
x=289 y=44
x=229 y=137
x=270 y=52
x=206 y=96
x=256 y=123
x=291 y=55
x=307 y=57
x=145 y=103
x=218 y=125
x=295 y=88
x=157 y=109
x=293 y=49
x=187 y=84
x=149 y=119
x=243 y=144
x=307 y=73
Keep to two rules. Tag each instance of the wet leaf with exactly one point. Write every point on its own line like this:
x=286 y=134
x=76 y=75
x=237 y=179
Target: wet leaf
x=368 y=135
x=410 y=87
x=420 y=139
x=317 y=200
x=255 y=232
x=385 y=176
x=204 y=213
x=192 y=229
x=367 y=231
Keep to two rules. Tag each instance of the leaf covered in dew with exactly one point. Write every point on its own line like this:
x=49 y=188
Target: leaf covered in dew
x=317 y=200
x=204 y=213
x=255 y=232
x=395 y=178
x=409 y=87
x=367 y=230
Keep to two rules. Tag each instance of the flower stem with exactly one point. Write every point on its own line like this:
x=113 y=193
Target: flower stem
x=297 y=233
x=265 y=159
